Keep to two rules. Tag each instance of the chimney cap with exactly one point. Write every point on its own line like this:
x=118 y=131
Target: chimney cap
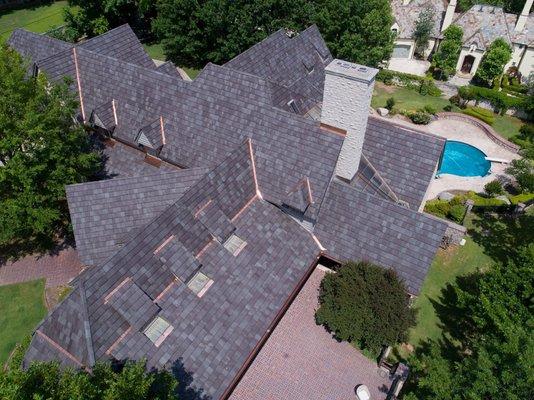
x=350 y=70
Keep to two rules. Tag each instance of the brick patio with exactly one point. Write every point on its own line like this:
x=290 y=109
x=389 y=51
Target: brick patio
x=301 y=361
x=58 y=268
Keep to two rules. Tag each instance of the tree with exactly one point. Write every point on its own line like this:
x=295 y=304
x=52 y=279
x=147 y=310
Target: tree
x=423 y=29
x=523 y=172
x=357 y=30
x=49 y=381
x=194 y=32
x=492 y=65
x=490 y=351
x=365 y=304
x=94 y=17
x=493 y=188
x=446 y=58
x=41 y=151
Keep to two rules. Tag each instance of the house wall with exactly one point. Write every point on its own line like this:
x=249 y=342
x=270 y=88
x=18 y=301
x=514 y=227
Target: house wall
x=527 y=63
x=475 y=53
x=517 y=54
x=406 y=42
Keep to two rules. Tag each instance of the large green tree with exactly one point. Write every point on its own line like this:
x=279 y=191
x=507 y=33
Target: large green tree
x=195 y=32
x=365 y=304
x=446 y=57
x=94 y=17
x=489 y=350
x=423 y=29
x=357 y=30
x=48 y=381
x=492 y=65
x=41 y=151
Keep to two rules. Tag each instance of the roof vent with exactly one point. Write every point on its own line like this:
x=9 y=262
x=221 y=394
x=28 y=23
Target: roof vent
x=290 y=33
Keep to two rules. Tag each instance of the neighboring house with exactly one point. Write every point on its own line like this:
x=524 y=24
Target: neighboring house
x=482 y=24
x=226 y=193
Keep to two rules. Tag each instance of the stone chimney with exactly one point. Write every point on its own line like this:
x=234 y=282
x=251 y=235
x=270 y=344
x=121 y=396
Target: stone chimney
x=348 y=89
x=449 y=15
x=522 y=20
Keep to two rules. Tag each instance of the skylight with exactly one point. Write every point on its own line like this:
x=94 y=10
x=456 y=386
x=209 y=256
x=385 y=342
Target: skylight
x=199 y=284
x=234 y=244
x=158 y=330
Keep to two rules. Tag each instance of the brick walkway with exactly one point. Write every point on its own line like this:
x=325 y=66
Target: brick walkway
x=58 y=268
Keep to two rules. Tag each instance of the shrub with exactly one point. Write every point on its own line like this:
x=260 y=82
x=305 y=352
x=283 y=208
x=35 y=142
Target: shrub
x=480 y=113
x=457 y=213
x=365 y=304
x=493 y=188
x=439 y=208
x=448 y=108
x=390 y=103
x=523 y=172
x=423 y=85
x=500 y=101
x=420 y=117
x=521 y=198
x=430 y=109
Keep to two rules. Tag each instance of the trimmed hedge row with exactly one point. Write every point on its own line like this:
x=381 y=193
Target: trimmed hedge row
x=423 y=85
x=500 y=101
x=481 y=113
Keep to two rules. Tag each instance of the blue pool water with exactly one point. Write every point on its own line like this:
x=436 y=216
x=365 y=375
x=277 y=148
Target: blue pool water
x=464 y=160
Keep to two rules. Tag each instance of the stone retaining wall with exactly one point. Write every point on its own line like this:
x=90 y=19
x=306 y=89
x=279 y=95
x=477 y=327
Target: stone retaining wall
x=488 y=130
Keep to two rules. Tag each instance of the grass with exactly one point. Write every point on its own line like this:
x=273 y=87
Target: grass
x=405 y=98
x=155 y=51
x=21 y=309
x=36 y=19
x=492 y=238
x=507 y=126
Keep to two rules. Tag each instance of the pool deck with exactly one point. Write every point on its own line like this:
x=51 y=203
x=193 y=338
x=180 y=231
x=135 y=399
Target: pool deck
x=470 y=134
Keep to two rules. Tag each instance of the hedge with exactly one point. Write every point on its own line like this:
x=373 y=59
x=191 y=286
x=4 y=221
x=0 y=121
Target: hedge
x=481 y=113
x=521 y=198
x=500 y=101
x=423 y=85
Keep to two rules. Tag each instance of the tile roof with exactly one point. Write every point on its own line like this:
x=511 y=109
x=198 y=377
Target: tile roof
x=357 y=225
x=278 y=254
x=106 y=214
x=406 y=15
x=120 y=43
x=483 y=24
x=294 y=62
x=405 y=158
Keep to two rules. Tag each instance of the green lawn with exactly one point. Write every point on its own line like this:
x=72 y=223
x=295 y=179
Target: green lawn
x=155 y=51
x=36 y=19
x=21 y=309
x=405 y=98
x=507 y=126
x=491 y=239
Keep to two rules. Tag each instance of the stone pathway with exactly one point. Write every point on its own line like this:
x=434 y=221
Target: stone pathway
x=58 y=268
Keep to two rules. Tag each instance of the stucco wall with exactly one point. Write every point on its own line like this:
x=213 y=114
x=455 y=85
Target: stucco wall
x=467 y=51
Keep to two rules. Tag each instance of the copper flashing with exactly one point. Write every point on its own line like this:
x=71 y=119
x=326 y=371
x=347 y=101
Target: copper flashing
x=154 y=161
x=78 y=82
x=333 y=129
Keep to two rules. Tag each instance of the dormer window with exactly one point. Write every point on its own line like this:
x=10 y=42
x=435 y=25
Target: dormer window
x=291 y=103
x=199 y=284
x=158 y=330
x=234 y=244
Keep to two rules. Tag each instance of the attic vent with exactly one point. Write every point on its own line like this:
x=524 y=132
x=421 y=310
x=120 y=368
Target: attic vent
x=234 y=244
x=199 y=284
x=294 y=107
x=158 y=330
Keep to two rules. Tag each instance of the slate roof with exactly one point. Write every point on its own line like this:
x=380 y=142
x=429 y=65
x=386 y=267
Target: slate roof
x=257 y=170
x=406 y=159
x=406 y=16
x=120 y=43
x=359 y=226
x=294 y=62
x=249 y=289
x=106 y=214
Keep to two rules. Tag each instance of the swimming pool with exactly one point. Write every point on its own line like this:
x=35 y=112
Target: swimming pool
x=463 y=159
